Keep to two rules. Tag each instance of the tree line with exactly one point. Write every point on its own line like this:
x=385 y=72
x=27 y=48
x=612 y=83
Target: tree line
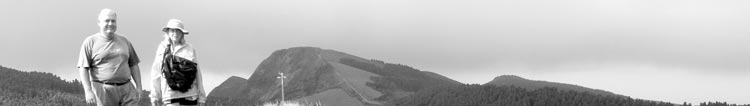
x=19 y=88
x=490 y=95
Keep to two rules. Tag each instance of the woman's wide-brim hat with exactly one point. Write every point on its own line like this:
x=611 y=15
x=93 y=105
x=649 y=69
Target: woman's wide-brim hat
x=175 y=24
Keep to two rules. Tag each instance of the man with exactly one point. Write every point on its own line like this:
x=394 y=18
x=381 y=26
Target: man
x=162 y=92
x=107 y=63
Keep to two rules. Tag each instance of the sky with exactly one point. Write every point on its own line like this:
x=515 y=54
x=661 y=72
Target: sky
x=667 y=50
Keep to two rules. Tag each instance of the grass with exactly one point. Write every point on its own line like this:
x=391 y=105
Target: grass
x=291 y=103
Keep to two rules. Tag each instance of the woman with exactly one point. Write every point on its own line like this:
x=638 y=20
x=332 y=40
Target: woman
x=166 y=89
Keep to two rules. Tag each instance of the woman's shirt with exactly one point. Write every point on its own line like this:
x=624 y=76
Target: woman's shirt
x=160 y=89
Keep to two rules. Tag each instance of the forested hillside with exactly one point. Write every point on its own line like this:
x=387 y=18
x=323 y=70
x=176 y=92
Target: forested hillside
x=19 y=88
x=489 y=95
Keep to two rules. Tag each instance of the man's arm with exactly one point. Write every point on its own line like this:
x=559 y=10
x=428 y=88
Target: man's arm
x=136 y=73
x=84 y=69
x=86 y=82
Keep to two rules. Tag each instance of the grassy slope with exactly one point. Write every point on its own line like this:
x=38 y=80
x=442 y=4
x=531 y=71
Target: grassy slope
x=332 y=97
x=357 y=79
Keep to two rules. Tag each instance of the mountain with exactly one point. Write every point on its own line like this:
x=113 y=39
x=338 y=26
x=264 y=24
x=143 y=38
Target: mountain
x=326 y=76
x=320 y=76
x=20 y=88
x=512 y=80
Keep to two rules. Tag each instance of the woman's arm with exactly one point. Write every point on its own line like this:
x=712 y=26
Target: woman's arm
x=156 y=76
x=199 y=80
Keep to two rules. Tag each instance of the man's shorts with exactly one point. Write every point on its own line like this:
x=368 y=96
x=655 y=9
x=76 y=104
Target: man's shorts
x=114 y=95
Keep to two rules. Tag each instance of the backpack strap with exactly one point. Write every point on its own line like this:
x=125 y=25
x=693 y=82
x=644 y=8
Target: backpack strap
x=166 y=58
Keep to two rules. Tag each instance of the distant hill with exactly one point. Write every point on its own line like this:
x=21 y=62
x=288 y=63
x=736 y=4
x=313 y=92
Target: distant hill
x=490 y=95
x=234 y=83
x=512 y=80
x=19 y=88
x=326 y=76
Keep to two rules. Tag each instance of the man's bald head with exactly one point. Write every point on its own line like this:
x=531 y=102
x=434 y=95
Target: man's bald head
x=107 y=14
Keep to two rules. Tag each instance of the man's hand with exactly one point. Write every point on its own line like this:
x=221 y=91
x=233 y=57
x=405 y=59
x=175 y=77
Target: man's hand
x=155 y=102
x=138 y=93
x=90 y=99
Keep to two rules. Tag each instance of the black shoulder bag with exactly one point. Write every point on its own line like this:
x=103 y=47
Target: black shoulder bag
x=179 y=72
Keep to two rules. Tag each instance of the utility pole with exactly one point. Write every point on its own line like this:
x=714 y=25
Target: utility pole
x=281 y=76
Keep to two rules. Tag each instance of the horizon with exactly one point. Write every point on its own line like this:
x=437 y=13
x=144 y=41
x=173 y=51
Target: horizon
x=672 y=50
